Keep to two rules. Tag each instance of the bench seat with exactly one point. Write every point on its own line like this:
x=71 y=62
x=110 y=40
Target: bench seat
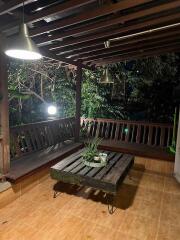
x=136 y=149
x=28 y=164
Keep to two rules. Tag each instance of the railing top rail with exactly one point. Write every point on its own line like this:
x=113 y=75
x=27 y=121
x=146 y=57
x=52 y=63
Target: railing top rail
x=41 y=123
x=128 y=122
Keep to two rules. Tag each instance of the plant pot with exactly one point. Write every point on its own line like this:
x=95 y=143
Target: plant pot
x=103 y=157
x=97 y=159
x=95 y=164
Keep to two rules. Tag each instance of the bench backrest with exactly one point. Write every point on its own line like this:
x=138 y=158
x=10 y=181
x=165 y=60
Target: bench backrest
x=28 y=138
x=152 y=134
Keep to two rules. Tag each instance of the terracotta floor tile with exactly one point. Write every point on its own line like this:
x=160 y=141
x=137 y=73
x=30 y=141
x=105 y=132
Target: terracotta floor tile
x=139 y=227
x=171 y=209
x=168 y=232
x=145 y=208
x=171 y=185
x=81 y=213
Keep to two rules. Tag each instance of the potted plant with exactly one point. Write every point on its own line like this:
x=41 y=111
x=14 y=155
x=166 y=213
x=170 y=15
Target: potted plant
x=92 y=157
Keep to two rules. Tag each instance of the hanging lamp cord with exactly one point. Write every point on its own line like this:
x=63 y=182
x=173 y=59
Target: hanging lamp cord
x=23 y=12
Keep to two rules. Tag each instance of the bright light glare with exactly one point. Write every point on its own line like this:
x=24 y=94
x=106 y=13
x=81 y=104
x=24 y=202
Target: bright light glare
x=23 y=54
x=52 y=110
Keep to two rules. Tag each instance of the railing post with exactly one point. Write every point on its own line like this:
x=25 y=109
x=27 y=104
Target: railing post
x=4 y=116
x=177 y=157
x=78 y=102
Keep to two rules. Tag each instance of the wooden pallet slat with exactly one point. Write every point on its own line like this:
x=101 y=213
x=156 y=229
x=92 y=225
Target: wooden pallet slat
x=73 y=170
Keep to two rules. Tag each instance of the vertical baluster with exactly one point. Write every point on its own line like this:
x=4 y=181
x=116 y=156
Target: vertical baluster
x=156 y=136
x=27 y=139
x=127 y=133
x=73 y=127
x=46 y=137
x=169 y=137
x=162 y=136
x=133 y=130
x=107 y=130
x=17 y=145
x=113 y=125
x=117 y=131
x=36 y=133
x=144 y=134
x=94 y=129
x=88 y=128
x=32 y=137
x=122 y=132
x=22 y=141
x=103 y=128
x=100 y=129
x=150 y=135
x=97 y=129
x=57 y=131
x=92 y=125
x=138 y=136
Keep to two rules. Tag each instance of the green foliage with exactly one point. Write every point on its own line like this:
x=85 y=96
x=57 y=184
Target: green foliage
x=142 y=90
x=91 y=150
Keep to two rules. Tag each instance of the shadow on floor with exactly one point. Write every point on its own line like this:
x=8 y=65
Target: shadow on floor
x=125 y=195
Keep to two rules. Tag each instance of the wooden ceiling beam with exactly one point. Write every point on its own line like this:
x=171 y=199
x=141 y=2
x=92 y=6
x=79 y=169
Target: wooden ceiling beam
x=80 y=54
x=56 y=9
x=101 y=11
x=12 y=5
x=129 y=51
x=117 y=20
x=61 y=8
x=132 y=54
x=111 y=33
x=56 y=47
x=126 y=47
x=47 y=54
x=99 y=43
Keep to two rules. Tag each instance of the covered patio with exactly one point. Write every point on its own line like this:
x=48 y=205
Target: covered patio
x=88 y=35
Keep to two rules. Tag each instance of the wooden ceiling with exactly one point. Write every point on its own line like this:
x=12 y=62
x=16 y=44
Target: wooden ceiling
x=74 y=31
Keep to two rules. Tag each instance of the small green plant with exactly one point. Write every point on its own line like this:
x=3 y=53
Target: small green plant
x=83 y=132
x=172 y=147
x=91 y=150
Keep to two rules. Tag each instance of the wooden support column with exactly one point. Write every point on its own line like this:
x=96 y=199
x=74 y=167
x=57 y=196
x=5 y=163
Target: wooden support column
x=4 y=116
x=177 y=157
x=78 y=102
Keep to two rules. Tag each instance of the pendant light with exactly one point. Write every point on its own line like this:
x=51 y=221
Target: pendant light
x=22 y=46
x=106 y=77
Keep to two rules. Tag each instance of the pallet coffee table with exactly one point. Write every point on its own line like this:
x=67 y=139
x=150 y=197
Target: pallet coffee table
x=72 y=170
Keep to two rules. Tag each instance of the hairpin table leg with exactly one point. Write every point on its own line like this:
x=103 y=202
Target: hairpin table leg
x=55 y=194
x=110 y=202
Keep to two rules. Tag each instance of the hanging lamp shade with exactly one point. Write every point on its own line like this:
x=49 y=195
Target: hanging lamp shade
x=22 y=46
x=106 y=77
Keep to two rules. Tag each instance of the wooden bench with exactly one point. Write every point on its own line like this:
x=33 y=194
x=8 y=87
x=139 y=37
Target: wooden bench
x=34 y=146
x=138 y=138
x=73 y=170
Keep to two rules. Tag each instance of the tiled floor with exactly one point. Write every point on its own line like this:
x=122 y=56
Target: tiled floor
x=148 y=208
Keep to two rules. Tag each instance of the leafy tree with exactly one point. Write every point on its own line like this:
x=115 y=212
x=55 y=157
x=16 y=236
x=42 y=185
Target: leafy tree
x=142 y=90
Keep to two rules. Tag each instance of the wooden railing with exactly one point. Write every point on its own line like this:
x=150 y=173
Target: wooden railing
x=32 y=137
x=152 y=134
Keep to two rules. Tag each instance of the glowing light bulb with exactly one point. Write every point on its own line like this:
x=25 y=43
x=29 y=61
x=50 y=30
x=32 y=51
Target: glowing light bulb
x=52 y=110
